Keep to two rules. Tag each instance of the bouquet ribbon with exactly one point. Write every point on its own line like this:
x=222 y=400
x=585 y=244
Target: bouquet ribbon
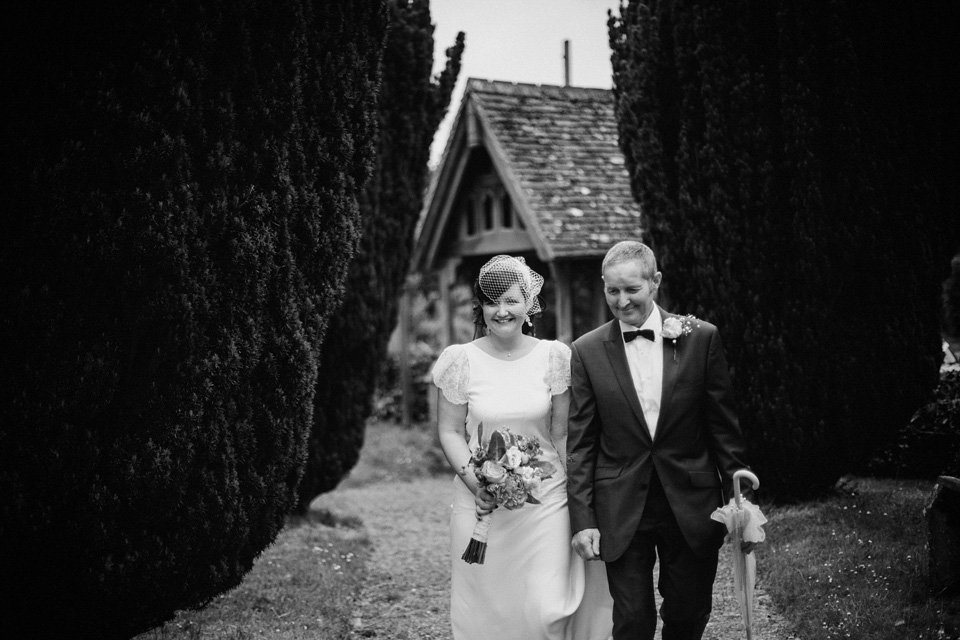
x=476 y=551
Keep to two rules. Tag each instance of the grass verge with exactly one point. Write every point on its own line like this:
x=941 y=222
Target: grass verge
x=392 y=453
x=305 y=585
x=853 y=567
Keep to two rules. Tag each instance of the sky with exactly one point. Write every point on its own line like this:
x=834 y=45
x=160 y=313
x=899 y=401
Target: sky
x=521 y=41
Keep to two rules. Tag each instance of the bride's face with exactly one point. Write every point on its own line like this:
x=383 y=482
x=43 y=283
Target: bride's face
x=505 y=315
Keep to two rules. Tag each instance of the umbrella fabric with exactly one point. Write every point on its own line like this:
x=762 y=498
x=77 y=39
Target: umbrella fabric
x=752 y=520
x=744 y=524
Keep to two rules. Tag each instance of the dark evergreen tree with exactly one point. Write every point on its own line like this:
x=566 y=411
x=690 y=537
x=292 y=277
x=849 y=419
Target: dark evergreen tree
x=793 y=161
x=179 y=211
x=411 y=108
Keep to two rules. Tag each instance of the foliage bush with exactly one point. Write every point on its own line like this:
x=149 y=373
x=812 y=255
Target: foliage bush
x=388 y=400
x=411 y=106
x=793 y=162
x=929 y=445
x=950 y=320
x=183 y=200
x=424 y=348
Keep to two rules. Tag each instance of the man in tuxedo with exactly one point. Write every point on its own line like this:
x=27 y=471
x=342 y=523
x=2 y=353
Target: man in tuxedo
x=652 y=446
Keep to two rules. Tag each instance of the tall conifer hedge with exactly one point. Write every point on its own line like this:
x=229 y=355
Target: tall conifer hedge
x=796 y=163
x=412 y=104
x=181 y=202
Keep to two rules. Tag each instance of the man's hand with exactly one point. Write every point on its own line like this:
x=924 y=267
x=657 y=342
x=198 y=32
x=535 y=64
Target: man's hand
x=587 y=544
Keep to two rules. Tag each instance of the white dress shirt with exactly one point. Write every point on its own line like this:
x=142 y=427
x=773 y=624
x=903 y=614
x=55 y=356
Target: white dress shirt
x=645 y=359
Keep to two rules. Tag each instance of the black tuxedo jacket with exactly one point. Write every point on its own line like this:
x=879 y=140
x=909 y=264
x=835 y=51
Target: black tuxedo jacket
x=696 y=448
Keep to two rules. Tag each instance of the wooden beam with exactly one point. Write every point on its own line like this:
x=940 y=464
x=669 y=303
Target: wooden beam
x=406 y=338
x=564 y=300
x=601 y=312
x=600 y=308
x=448 y=278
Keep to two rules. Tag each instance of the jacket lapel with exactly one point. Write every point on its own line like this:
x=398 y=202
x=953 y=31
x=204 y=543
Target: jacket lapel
x=671 y=365
x=621 y=370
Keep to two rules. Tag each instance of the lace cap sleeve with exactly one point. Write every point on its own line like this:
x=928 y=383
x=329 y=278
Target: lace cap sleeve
x=558 y=371
x=452 y=372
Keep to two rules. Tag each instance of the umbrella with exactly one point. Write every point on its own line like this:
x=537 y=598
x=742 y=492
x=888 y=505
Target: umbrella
x=743 y=521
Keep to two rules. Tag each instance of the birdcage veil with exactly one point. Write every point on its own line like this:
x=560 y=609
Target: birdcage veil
x=501 y=272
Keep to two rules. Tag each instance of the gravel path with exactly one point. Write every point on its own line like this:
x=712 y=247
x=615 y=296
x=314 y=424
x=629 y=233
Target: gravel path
x=408 y=588
x=407 y=595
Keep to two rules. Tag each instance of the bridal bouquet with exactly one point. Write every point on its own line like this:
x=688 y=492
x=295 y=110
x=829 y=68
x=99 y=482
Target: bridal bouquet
x=509 y=467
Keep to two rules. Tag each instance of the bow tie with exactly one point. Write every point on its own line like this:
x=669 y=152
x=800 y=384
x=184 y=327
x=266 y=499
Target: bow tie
x=629 y=336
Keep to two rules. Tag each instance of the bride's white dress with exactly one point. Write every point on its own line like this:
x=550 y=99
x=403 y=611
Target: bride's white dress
x=532 y=585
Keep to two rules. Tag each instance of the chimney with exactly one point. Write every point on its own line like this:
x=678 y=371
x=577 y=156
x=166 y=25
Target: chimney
x=566 y=63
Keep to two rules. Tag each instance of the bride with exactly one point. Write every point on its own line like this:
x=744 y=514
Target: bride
x=531 y=584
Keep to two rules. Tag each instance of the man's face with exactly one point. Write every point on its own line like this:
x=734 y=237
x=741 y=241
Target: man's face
x=629 y=292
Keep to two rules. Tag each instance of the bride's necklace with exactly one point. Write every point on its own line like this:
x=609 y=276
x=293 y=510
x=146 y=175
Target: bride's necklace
x=507 y=353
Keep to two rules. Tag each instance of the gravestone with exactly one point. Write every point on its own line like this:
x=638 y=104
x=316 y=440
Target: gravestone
x=943 y=535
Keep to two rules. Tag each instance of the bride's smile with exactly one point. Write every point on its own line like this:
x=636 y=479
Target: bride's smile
x=505 y=315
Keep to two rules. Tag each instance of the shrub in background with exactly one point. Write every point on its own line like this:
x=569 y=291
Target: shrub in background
x=424 y=348
x=950 y=320
x=953 y=467
x=795 y=164
x=181 y=204
x=930 y=443
x=412 y=104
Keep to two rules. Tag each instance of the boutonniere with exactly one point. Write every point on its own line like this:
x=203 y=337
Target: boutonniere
x=676 y=327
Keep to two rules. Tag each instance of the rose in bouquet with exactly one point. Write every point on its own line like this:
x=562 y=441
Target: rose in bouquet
x=510 y=469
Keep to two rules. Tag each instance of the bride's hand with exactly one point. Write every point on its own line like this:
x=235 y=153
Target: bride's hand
x=485 y=502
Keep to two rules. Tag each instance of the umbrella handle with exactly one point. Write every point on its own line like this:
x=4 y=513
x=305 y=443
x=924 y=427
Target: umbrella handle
x=743 y=473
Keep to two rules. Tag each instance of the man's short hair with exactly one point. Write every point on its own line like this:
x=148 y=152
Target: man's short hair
x=631 y=250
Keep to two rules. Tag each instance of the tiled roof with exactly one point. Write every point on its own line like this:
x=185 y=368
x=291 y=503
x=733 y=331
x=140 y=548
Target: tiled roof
x=560 y=144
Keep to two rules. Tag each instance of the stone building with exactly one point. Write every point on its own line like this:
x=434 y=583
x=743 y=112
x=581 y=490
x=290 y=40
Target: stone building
x=529 y=170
